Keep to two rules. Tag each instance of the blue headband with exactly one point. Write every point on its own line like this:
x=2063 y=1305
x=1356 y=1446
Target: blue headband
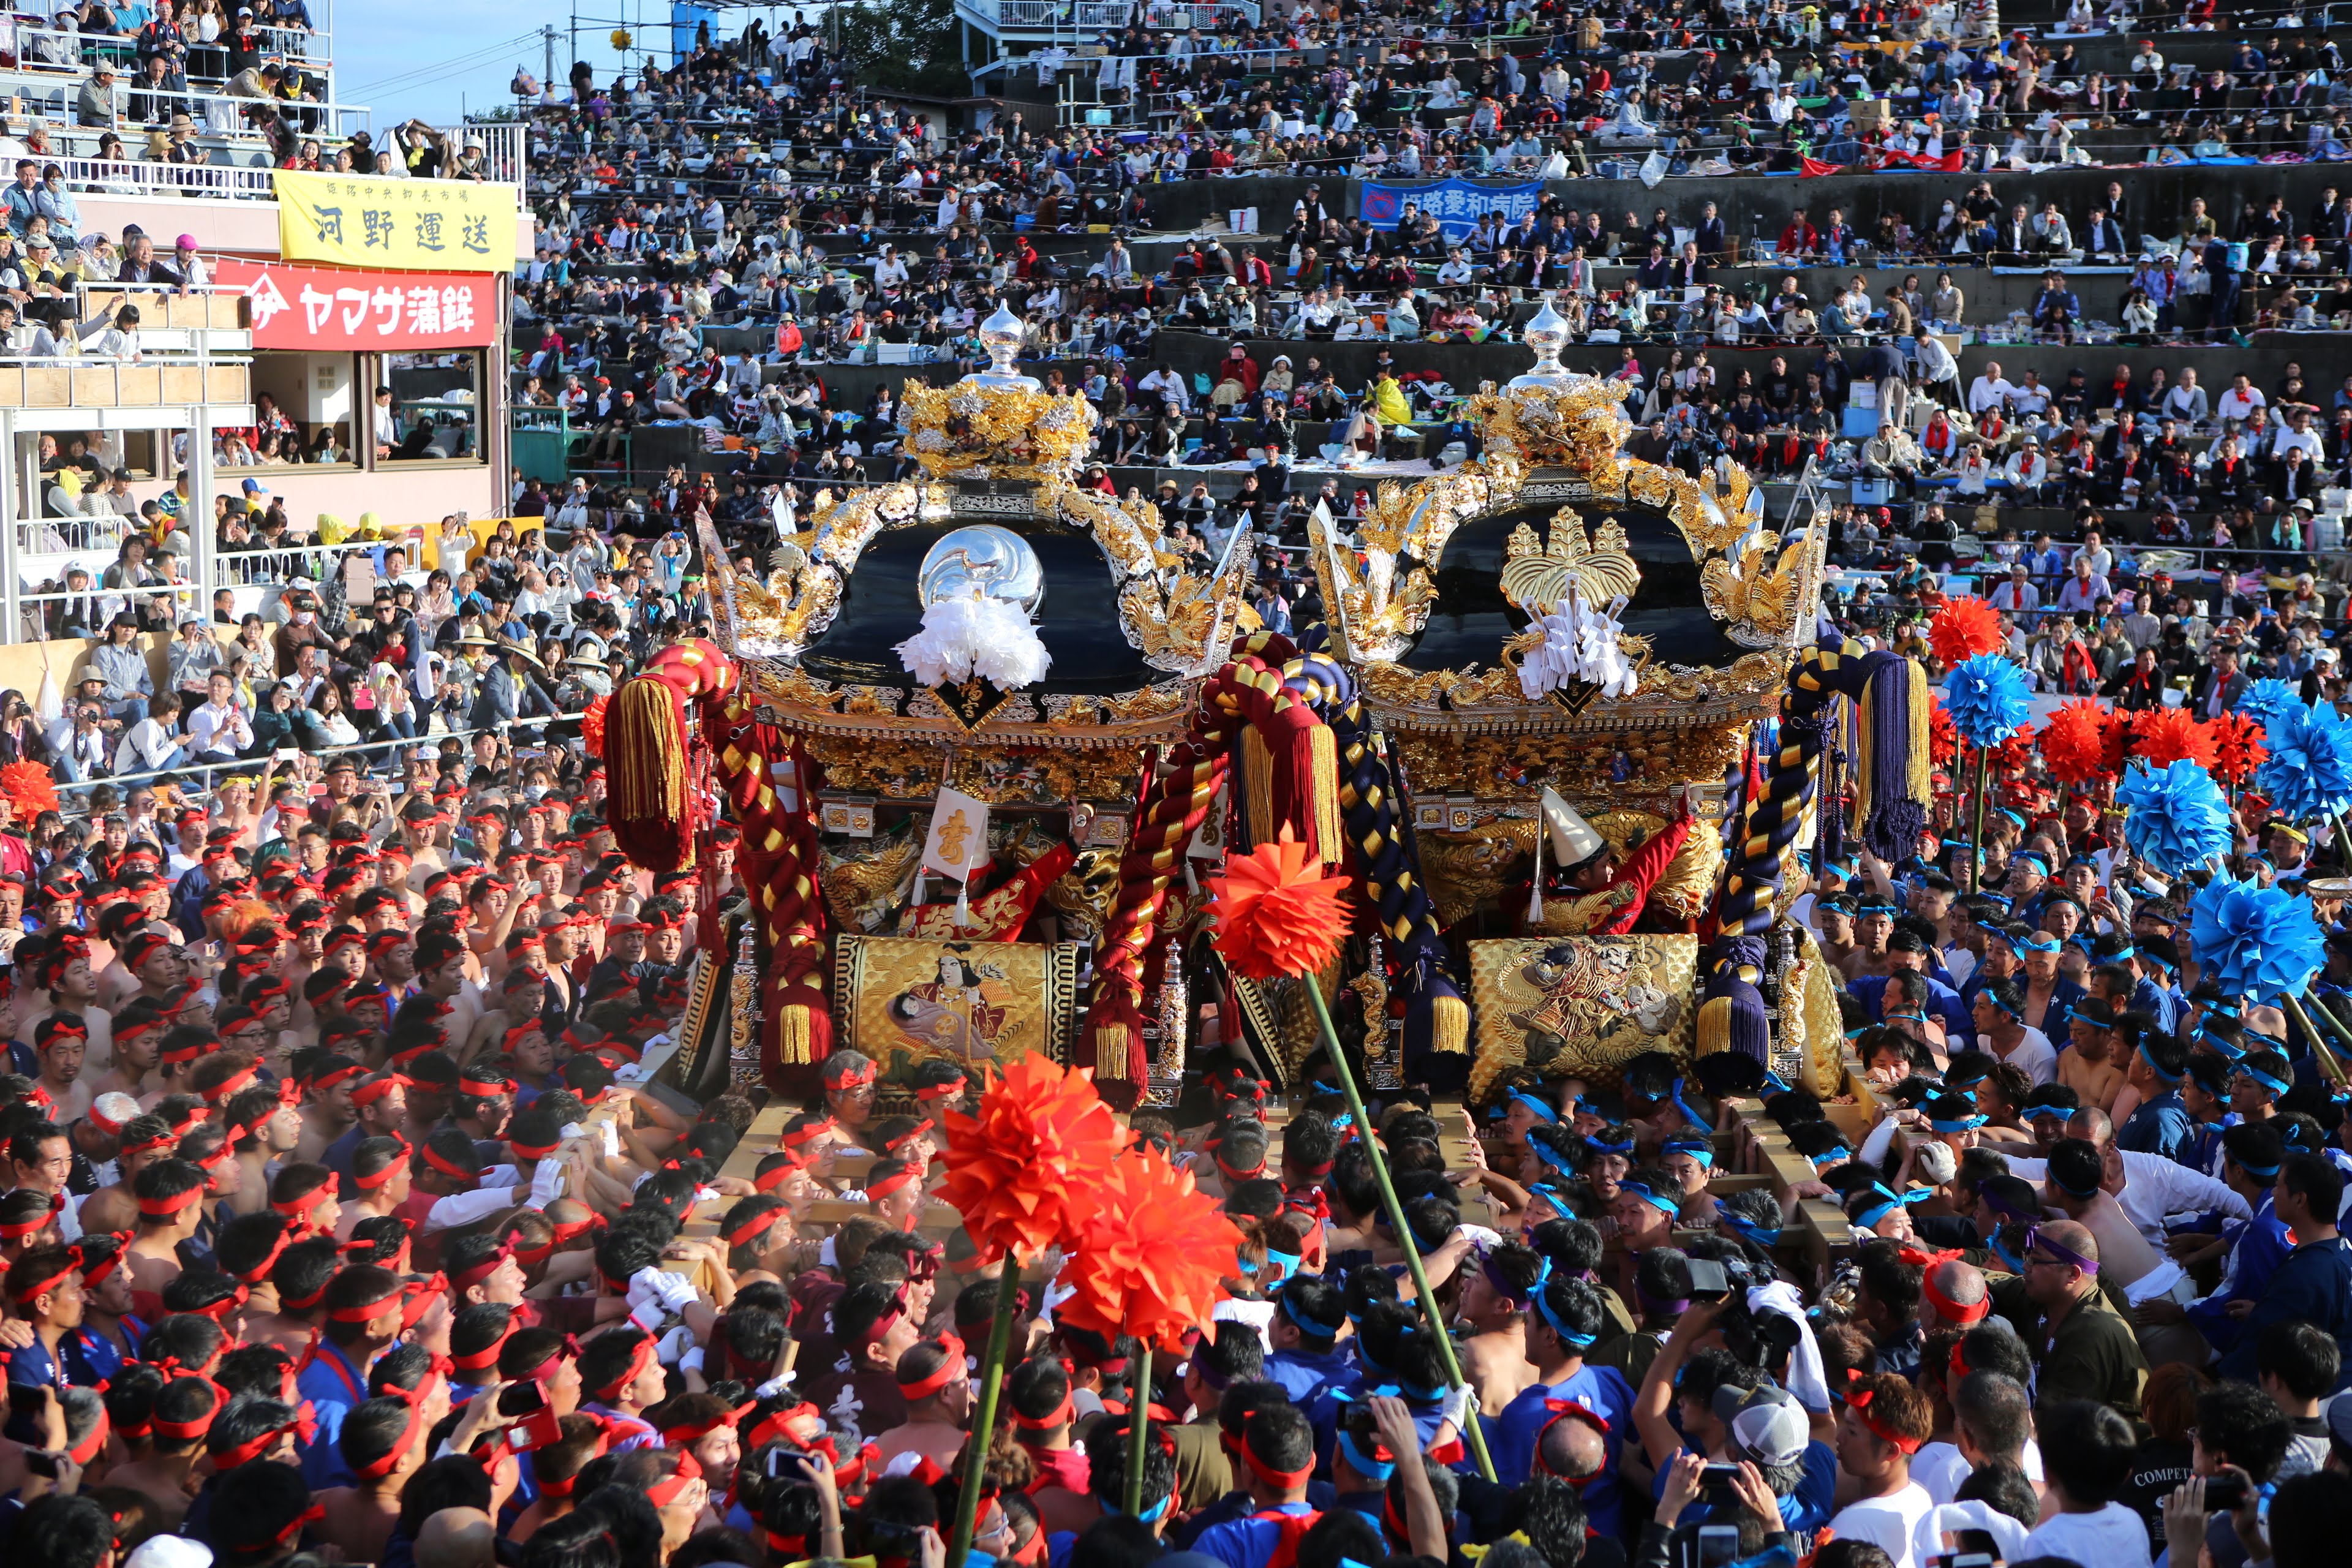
x=1775 y=1083
x=1597 y=1147
x=1552 y=1195
x=1868 y=1218
x=1543 y=1152
x=2263 y=1170
x=2015 y=821
x=2268 y=1082
x=1567 y=1336
x=1690 y=1113
x=1958 y=1124
x=2232 y=1051
x=2159 y=1072
x=1289 y=1261
x=1830 y=1156
x=2037 y=943
x=1749 y=1228
x=1876 y=909
x=1543 y=1112
x=1698 y=1149
x=1672 y=1207
x=1372 y=1469
x=2121 y=953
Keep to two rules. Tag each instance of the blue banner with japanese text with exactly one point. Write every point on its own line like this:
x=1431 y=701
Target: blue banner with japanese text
x=1456 y=204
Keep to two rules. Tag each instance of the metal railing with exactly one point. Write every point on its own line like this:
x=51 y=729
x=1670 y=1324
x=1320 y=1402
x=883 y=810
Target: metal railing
x=226 y=181
x=26 y=47
x=69 y=793
x=506 y=146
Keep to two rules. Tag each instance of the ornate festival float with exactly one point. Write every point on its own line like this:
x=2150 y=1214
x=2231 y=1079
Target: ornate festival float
x=976 y=744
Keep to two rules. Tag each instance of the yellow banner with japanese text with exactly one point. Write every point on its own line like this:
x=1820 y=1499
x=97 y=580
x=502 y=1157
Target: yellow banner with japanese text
x=419 y=226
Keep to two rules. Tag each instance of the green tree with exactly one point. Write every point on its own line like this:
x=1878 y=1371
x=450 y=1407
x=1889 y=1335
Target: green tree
x=909 y=45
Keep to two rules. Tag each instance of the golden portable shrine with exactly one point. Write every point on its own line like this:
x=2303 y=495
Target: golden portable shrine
x=976 y=743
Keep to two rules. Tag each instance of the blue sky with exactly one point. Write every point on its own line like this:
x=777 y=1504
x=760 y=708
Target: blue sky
x=399 y=69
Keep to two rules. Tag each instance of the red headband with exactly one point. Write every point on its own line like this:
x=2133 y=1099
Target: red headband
x=103 y=1122
x=1858 y=1400
x=910 y=1135
x=375 y=1470
x=482 y=1267
x=184 y=1430
x=809 y=1133
x=776 y=1425
x=369 y=1094
x=848 y=1077
x=34 y=1289
x=1055 y=1417
x=169 y=1208
x=487 y=1357
x=949 y=1372
x=666 y=1492
x=366 y=1312
x=451 y=1168
x=304 y=1427
x=1283 y=1479
x=889 y=1184
x=777 y=1175
x=532 y=1151
x=949 y=1090
x=764 y=1221
x=300 y=1209
x=253 y=1276
x=218 y=1311
x=562 y=1488
x=34 y=1226
x=689 y=1432
x=479 y=1089
x=326 y=1080
x=639 y=1358
x=398 y=1164
x=569 y=1349
x=94 y=1274
x=1951 y=1310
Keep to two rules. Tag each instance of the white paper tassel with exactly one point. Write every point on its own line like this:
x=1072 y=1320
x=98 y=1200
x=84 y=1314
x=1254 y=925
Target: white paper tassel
x=963 y=903
x=1534 y=891
x=964 y=637
x=1191 y=882
x=921 y=888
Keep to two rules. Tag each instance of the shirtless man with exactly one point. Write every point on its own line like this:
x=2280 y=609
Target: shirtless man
x=1495 y=1296
x=62 y=982
x=2092 y=1069
x=61 y=1041
x=327 y=1109
x=171 y=1194
x=1833 y=918
x=145 y=1140
x=1874 y=923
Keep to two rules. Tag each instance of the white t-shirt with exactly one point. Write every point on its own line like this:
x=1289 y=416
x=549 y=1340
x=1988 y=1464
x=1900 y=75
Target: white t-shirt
x=1941 y=1467
x=1888 y=1522
x=2114 y=1537
x=2034 y=1055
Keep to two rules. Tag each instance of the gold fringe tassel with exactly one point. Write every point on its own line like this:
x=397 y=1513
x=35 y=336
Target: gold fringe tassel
x=645 y=754
x=1329 y=833
x=1714 y=1026
x=1257 y=786
x=1110 y=1052
x=792 y=1035
x=1921 y=779
x=1449 y=1024
x=1863 y=772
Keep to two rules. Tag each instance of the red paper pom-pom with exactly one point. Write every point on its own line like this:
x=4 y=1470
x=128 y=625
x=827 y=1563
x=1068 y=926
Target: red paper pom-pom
x=2075 y=744
x=1962 y=629
x=1151 y=1260
x=592 y=726
x=2162 y=736
x=1028 y=1168
x=1277 y=912
x=2238 y=748
x=29 y=788
x=1943 y=735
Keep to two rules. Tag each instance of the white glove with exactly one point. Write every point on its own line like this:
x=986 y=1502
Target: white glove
x=649 y=1316
x=671 y=1350
x=545 y=1181
x=501 y=1177
x=631 y=1073
x=677 y=1294
x=691 y=1361
x=773 y=1386
x=573 y=1130
x=1455 y=1407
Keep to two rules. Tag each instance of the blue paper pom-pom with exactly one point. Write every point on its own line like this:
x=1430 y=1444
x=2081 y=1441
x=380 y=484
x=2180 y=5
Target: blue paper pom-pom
x=1988 y=699
x=2178 y=817
x=2266 y=698
x=2307 y=776
x=2254 y=942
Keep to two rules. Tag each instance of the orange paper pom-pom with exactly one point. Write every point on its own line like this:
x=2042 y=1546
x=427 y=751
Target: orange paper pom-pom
x=1277 y=912
x=2238 y=748
x=2075 y=744
x=29 y=788
x=2162 y=736
x=592 y=726
x=1028 y=1166
x=1151 y=1259
x=1964 y=628
x=2012 y=755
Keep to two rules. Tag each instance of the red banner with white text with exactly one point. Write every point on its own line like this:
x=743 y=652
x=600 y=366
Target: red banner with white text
x=331 y=308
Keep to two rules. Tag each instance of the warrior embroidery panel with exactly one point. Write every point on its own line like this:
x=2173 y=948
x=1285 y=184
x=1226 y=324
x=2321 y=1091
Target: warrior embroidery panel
x=904 y=1000
x=1578 y=1006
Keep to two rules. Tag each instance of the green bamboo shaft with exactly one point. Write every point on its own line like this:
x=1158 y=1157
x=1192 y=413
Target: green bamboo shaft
x=983 y=1415
x=1471 y=1431
x=1138 y=1421
x=1976 y=827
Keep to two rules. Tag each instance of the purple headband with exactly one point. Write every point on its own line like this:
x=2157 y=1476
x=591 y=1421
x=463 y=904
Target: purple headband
x=2036 y=1237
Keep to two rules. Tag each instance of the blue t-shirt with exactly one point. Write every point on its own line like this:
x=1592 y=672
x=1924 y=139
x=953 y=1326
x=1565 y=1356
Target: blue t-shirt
x=1600 y=1389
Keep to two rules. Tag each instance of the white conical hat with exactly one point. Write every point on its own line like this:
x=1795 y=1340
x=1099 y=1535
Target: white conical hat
x=1573 y=839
